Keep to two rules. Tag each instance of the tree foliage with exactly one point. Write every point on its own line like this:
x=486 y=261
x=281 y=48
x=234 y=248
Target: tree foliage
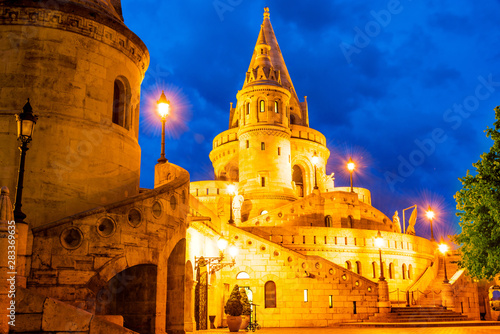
x=247 y=309
x=233 y=305
x=478 y=203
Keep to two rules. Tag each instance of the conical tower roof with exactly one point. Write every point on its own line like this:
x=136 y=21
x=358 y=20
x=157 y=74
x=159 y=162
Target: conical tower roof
x=267 y=65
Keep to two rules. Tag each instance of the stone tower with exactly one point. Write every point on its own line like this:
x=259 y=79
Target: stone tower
x=269 y=146
x=82 y=69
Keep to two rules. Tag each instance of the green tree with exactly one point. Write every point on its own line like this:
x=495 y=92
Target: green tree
x=233 y=305
x=247 y=310
x=478 y=203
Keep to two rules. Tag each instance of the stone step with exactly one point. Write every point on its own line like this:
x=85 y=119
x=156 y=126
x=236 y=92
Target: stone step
x=419 y=314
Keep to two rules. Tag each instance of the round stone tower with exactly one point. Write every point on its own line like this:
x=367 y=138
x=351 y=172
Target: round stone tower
x=81 y=68
x=269 y=147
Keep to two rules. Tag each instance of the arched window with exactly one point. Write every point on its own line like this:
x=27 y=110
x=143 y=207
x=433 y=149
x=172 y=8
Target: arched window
x=404 y=271
x=391 y=270
x=270 y=294
x=350 y=220
x=262 y=107
x=248 y=108
x=121 y=102
x=410 y=272
x=276 y=107
x=328 y=221
x=242 y=275
x=292 y=119
x=348 y=265
x=374 y=269
x=358 y=267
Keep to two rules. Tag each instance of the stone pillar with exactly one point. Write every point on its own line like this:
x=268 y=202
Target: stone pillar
x=189 y=321
x=7 y=229
x=384 y=305
x=448 y=300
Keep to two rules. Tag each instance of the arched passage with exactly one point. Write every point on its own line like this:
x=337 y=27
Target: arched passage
x=176 y=273
x=298 y=178
x=132 y=294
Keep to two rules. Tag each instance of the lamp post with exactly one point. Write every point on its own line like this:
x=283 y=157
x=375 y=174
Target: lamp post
x=430 y=215
x=379 y=242
x=163 y=106
x=215 y=263
x=25 y=125
x=443 y=248
x=231 y=189
x=315 y=160
x=351 y=166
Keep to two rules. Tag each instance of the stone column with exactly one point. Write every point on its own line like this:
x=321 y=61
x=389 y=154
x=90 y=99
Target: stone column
x=448 y=300
x=6 y=227
x=384 y=305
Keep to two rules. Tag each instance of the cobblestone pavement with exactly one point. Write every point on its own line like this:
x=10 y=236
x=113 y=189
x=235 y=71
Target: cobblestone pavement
x=343 y=330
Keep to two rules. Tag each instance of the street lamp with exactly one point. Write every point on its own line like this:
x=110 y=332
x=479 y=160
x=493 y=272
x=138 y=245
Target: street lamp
x=231 y=189
x=379 y=242
x=215 y=263
x=443 y=248
x=163 y=106
x=430 y=215
x=25 y=125
x=315 y=160
x=351 y=166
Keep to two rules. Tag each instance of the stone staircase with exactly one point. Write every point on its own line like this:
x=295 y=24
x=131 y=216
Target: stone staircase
x=432 y=296
x=418 y=314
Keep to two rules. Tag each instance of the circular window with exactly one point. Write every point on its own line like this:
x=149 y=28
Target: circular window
x=173 y=202
x=262 y=248
x=317 y=265
x=276 y=253
x=106 y=227
x=331 y=271
x=134 y=217
x=290 y=259
x=71 y=238
x=356 y=283
x=369 y=289
x=249 y=242
x=156 y=209
x=344 y=277
x=304 y=265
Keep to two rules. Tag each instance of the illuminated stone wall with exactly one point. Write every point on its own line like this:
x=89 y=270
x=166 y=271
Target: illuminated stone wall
x=85 y=260
x=66 y=56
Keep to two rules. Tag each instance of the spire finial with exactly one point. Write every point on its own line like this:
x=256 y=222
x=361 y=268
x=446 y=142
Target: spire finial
x=266 y=12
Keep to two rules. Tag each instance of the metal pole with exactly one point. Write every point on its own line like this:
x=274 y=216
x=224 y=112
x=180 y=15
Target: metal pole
x=162 y=155
x=432 y=232
x=382 y=278
x=445 y=274
x=18 y=214
x=315 y=178
x=230 y=221
x=352 y=189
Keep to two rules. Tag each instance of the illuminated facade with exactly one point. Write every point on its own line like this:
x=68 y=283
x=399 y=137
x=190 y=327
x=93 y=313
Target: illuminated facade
x=100 y=256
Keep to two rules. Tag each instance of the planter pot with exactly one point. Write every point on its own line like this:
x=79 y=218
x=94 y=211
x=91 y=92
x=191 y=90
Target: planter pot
x=245 y=319
x=234 y=323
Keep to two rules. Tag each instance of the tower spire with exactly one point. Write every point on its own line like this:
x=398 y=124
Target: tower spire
x=267 y=65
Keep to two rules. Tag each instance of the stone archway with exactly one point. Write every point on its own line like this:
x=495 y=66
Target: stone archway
x=298 y=178
x=132 y=294
x=176 y=289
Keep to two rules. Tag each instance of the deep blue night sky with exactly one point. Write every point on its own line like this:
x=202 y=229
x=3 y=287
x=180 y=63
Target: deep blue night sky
x=405 y=87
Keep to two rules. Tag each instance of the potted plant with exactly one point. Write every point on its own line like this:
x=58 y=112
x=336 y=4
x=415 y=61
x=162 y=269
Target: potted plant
x=233 y=309
x=247 y=310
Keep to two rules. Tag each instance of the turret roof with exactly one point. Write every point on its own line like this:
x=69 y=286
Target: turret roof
x=267 y=53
